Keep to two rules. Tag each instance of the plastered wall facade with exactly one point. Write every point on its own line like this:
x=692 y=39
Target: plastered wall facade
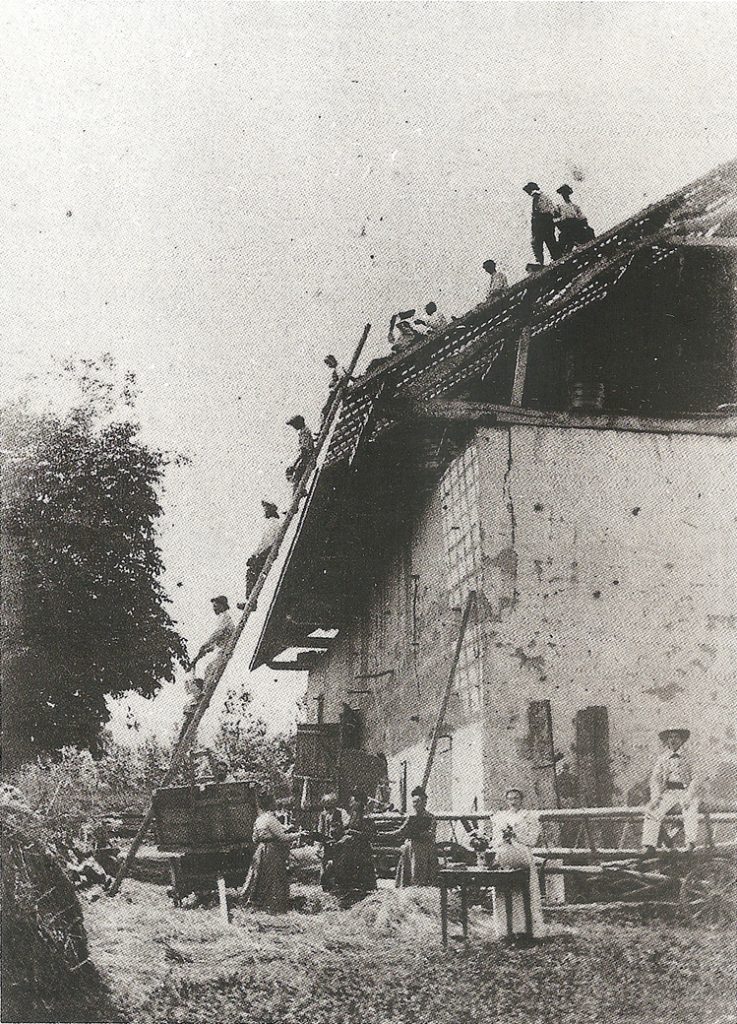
x=606 y=567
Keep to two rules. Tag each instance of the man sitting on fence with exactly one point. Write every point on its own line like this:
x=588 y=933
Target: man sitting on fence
x=673 y=783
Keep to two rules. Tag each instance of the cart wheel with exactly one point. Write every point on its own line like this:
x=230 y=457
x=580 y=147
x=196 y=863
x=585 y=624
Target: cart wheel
x=709 y=893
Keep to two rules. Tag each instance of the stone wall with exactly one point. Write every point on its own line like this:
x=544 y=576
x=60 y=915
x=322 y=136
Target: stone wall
x=605 y=563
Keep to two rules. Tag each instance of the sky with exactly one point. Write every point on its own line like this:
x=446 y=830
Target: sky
x=219 y=194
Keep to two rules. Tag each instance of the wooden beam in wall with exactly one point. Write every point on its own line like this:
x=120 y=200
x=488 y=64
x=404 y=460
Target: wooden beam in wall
x=592 y=755
x=520 y=369
x=492 y=414
x=452 y=410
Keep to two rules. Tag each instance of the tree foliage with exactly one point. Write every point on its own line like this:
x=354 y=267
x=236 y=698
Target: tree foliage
x=243 y=740
x=84 y=610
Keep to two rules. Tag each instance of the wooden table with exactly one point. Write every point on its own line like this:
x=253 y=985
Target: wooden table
x=503 y=882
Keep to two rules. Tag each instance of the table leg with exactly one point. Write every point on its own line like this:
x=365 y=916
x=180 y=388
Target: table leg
x=444 y=910
x=464 y=910
x=528 y=909
x=508 y=906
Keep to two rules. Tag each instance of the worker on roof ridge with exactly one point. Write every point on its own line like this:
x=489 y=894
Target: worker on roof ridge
x=431 y=322
x=573 y=227
x=542 y=223
x=306 y=453
x=498 y=283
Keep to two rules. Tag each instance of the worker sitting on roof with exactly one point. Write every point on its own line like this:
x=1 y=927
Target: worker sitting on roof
x=257 y=560
x=573 y=227
x=542 y=223
x=497 y=284
x=337 y=377
x=218 y=641
x=401 y=331
x=432 y=322
x=306 y=455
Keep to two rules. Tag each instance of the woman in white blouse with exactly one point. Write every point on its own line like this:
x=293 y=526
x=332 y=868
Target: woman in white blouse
x=267 y=884
x=517 y=829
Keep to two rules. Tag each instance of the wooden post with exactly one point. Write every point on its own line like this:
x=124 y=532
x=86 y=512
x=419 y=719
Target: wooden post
x=223 y=901
x=520 y=369
x=592 y=754
x=542 y=753
x=470 y=602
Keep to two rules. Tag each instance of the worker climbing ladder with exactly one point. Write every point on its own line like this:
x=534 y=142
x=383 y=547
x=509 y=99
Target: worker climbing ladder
x=188 y=736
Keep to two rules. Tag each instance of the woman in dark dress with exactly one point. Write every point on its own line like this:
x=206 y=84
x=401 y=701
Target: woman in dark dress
x=418 y=859
x=267 y=884
x=353 y=858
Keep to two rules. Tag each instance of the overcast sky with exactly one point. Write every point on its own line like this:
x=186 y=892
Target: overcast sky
x=219 y=194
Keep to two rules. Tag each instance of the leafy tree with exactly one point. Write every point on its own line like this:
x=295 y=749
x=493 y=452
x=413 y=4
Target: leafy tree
x=244 y=742
x=84 y=611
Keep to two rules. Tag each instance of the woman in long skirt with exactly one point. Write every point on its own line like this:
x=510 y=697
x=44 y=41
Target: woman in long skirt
x=514 y=831
x=267 y=884
x=353 y=862
x=418 y=858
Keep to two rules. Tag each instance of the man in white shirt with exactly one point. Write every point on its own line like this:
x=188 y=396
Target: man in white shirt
x=497 y=284
x=432 y=322
x=542 y=223
x=673 y=783
x=257 y=560
x=218 y=640
x=573 y=227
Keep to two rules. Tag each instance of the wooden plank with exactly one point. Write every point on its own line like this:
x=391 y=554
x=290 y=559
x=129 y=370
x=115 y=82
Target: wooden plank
x=520 y=369
x=453 y=410
x=542 y=753
x=594 y=773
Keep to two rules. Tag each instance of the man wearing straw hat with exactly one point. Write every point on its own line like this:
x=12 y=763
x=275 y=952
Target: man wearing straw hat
x=673 y=783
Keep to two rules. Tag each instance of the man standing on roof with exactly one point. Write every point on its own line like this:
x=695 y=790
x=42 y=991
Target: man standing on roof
x=217 y=641
x=542 y=223
x=257 y=560
x=306 y=453
x=573 y=227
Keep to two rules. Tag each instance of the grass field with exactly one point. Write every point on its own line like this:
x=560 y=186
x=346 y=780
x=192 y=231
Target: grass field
x=382 y=963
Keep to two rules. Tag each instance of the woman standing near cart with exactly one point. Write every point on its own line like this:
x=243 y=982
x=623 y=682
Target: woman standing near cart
x=355 y=876
x=514 y=831
x=267 y=884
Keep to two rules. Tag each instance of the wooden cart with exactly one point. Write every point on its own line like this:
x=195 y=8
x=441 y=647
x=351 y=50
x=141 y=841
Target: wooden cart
x=207 y=831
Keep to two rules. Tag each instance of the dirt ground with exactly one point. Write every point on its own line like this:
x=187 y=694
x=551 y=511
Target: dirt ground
x=382 y=963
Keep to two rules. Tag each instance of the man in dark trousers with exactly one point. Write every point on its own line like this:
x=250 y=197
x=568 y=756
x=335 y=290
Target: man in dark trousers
x=542 y=223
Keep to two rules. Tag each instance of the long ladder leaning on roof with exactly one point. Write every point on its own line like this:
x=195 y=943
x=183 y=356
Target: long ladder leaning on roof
x=189 y=734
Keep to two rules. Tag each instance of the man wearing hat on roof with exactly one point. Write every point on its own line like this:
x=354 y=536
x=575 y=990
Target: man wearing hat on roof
x=673 y=783
x=306 y=454
x=218 y=640
x=257 y=560
x=542 y=223
x=573 y=227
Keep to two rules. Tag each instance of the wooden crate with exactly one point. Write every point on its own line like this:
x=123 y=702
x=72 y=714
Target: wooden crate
x=204 y=817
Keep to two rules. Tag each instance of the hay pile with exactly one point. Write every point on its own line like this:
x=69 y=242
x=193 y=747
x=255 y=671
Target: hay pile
x=45 y=963
x=413 y=912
